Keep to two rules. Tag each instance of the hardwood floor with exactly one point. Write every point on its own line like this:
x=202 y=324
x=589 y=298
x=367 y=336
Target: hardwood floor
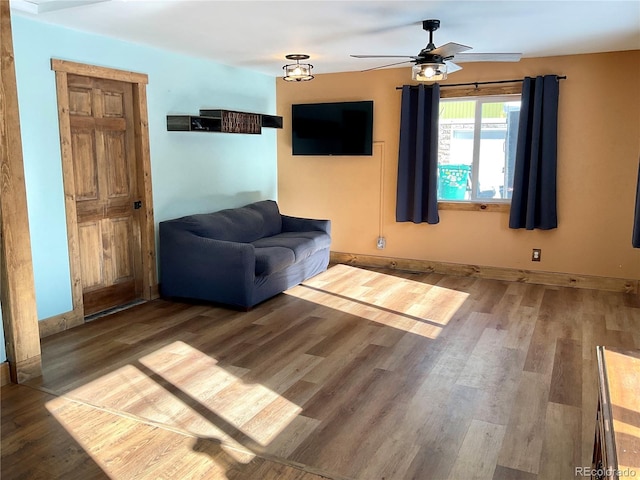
x=356 y=374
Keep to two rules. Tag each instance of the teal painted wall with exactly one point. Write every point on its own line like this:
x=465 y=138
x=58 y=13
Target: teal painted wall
x=191 y=172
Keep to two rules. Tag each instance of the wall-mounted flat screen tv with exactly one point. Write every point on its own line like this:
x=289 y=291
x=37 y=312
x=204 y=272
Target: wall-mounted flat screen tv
x=338 y=128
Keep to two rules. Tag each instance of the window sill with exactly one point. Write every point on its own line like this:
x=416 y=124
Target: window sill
x=475 y=206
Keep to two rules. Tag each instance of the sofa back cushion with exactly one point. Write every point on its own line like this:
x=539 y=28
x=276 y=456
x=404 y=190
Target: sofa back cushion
x=270 y=213
x=245 y=224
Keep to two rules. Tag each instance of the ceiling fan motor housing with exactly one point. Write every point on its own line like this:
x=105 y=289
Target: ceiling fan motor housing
x=426 y=57
x=430 y=25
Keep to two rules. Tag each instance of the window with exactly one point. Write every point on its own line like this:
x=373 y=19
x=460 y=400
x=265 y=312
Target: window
x=476 y=152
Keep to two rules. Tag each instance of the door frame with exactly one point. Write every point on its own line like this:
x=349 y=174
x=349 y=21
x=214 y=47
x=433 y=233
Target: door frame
x=143 y=173
x=17 y=293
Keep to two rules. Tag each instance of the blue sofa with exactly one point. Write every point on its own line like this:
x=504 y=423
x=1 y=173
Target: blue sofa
x=240 y=256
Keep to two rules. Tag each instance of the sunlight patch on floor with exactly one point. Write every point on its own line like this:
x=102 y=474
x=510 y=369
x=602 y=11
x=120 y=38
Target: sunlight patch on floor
x=406 y=304
x=179 y=387
x=124 y=447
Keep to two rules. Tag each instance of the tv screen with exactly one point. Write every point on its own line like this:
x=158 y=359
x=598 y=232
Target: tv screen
x=339 y=128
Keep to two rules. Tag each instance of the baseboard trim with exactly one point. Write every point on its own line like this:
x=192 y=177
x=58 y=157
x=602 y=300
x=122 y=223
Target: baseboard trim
x=60 y=323
x=65 y=321
x=495 y=273
x=5 y=375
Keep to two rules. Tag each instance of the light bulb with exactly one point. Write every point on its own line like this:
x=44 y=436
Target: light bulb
x=428 y=72
x=432 y=72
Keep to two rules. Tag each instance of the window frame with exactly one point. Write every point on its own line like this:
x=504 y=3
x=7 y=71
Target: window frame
x=478 y=91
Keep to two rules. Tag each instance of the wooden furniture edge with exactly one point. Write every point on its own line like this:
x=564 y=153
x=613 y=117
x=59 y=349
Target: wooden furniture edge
x=604 y=401
x=496 y=273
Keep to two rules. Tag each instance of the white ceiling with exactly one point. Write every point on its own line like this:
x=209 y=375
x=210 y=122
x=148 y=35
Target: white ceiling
x=258 y=34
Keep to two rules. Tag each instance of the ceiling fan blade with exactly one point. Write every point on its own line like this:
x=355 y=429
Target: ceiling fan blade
x=449 y=49
x=452 y=67
x=384 y=56
x=387 y=28
x=488 y=57
x=384 y=66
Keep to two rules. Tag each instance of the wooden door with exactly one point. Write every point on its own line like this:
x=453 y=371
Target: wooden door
x=104 y=171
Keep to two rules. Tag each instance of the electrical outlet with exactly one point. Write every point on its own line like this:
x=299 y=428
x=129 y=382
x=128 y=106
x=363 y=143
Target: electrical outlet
x=536 y=254
x=381 y=243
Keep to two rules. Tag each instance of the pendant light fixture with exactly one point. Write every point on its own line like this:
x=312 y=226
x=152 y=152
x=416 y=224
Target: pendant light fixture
x=297 y=72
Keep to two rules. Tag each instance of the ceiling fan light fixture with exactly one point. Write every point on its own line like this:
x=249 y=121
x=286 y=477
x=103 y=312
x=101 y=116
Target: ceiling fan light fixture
x=429 y=72
x=297 y=72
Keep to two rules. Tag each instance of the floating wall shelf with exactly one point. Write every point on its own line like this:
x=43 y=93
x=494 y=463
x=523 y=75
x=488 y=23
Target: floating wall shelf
x=226 y=121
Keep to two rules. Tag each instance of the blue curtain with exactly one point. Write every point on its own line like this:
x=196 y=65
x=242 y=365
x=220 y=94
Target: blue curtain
x=533 y=204
x=417 y=196
x=635 y=241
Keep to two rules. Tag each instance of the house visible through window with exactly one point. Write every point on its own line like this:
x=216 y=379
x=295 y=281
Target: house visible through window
x=476 y=152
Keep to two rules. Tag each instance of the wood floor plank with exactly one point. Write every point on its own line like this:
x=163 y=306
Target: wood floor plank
x=344 y=385
x=522 y=321
x=524 y=435
x=479 y=451
x=291 y=437
x=504 y=473
x=459 y=342
x=542 y=349
x=562 y=449
x=382 y=466
x=361 y=422
x=566 y=378
x=485 y=364
x=442 y=433
x=340 y=359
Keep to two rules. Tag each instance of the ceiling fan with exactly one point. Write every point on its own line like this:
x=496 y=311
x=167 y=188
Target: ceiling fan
x=433 y=63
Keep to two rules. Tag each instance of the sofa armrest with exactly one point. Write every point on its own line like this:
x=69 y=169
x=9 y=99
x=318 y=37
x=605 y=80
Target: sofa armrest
x=297 y=224
x=197 y=267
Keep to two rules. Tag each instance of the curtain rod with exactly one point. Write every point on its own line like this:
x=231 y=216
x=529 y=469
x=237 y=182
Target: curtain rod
x=475 y=84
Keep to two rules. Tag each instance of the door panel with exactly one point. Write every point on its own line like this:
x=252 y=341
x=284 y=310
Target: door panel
x=123 y=265
x=104 y=171
x=113 y=104
x=86 y=172
x=91 y=243
x=80 y=101
x=118 y=173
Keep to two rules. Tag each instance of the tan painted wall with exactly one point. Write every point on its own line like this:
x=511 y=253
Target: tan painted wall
x=598 y=150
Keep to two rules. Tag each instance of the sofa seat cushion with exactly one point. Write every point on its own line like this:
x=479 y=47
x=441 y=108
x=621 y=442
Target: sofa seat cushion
x=303 y=244
x=273 y=259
